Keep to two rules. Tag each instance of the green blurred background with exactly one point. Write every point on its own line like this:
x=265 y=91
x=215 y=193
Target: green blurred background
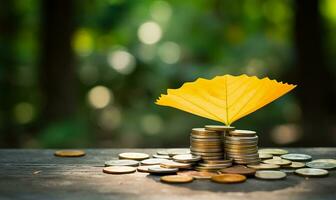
x=84 y=73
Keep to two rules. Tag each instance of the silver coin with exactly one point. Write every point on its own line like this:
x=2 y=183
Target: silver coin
x=156 y=169
x=124 y=162
x=273 y=151
x=270 y=174
x=153 y=161
x=321 y=165
x=173 y=152
x=162 y=152
x=187 y=158
x=311 y=172
x=296 y=157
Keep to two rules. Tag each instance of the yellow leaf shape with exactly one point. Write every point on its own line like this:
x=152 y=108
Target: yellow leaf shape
x=224 y=98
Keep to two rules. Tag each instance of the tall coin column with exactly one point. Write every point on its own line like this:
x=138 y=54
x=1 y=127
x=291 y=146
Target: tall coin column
x=242 y=147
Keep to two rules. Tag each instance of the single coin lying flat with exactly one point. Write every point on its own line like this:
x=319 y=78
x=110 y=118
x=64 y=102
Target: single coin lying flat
x=281 y=162
x=133 y=156
x=321 y=165
x=119 y=170
x=264 y=166
x=228 y=178
x=273 y=151
x=157 y=169
x=295 y=165
x=69 y=153
x=176 y=179
x=153 y=161
x=173 y=152
x=161 y=156
x=173 y=164
x=270 y=174
x=186 y=158
x=144 y=168
x=325 y=160
x=296 y=157
x=265 y=156
x=125 y=162
x=309 y=172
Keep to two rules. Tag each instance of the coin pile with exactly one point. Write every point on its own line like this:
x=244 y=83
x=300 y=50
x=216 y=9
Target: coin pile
x=206 y=143
x=242 y=147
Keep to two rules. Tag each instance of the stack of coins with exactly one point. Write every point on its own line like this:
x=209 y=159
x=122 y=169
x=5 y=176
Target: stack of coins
x=207 y=144
x=213 y=165
x=242 y=147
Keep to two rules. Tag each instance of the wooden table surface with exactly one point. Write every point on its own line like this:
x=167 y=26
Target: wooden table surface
x=38 y=174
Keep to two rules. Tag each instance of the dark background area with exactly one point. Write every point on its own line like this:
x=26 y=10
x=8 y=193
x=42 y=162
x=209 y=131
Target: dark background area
x=86 y=73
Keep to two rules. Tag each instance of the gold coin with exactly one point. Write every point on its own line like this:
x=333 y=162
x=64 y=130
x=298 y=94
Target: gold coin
x=173 y=164
x=69 y=153
x=274 y=151
x=235 y=138
x=206 y=150
x=144 y=168
x=197 y=174
x=241 y=142
x=281 y=162
x=270 y=174
x=203 y=131
x=176 y=179
x=225 y=165
x=295 y=165
x=263 y=166
x=133 y=156
x=265 y=156
x=240 y=146
x=242 y=133
x=311 y=172
x=218 y=161
x=201 y=146
x=228 y=178
x=208 y=158
x=207 y=153
x=219 y=128
x=119 y=170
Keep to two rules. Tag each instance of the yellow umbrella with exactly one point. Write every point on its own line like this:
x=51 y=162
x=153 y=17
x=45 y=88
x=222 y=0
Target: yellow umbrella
x=224 y=98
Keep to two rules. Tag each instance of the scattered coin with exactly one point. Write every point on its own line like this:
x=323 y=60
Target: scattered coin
x=69 y=153
x=295 y=165
x=133 y=156
x=296 y=157
x=264 y=166
x=157 y=169
x=273 y=151
x=161 y=156
x=270 y=174
x=242 y=133
x=153 y=161
x=228 y=178
x=162 y=152
x=281 y=162
x=144 y=168
x=176 y=179
x=125 y=162
x=311 y=172
x=239 y=169
x=187 y=158
x=197 y=174
x=321 y=165
x=265 y=156
x=173 y=164
x=325 y=160
x=173 y=152
x=119 y=170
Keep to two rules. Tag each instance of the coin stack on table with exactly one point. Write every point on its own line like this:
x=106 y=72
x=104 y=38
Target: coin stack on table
x=242 y=147
x=207 y=144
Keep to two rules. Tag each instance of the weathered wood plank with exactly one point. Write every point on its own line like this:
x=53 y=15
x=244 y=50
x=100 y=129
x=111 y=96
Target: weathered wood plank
x=37 y=174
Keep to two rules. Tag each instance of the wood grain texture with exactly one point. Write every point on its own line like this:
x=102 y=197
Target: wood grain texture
x=38 y=174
